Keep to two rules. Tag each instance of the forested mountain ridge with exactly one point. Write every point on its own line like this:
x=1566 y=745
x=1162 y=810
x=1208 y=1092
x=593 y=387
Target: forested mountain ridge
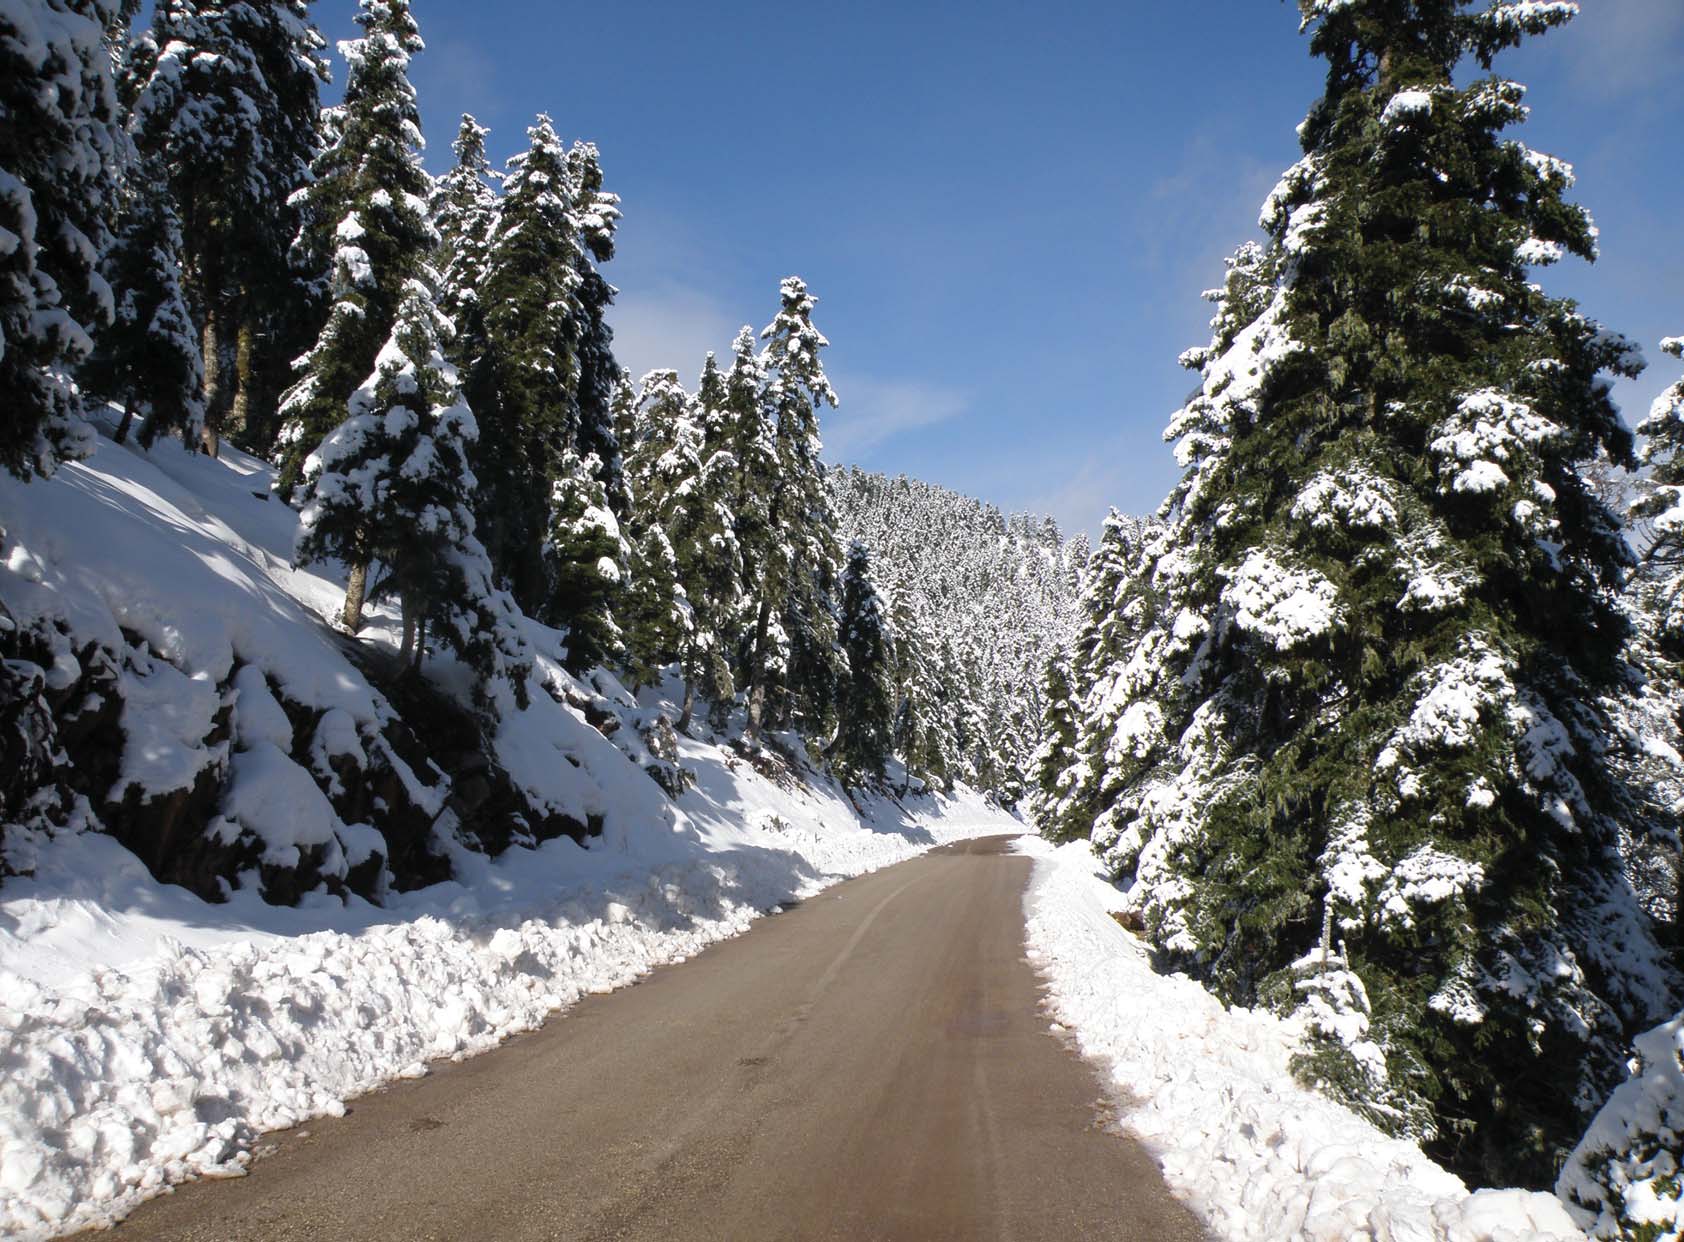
x=982 y=601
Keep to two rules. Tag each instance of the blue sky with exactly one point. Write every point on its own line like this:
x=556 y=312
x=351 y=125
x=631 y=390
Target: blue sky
x=1007 y=210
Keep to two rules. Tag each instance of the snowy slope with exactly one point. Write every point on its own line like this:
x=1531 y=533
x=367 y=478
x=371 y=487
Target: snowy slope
x=1260 y=1158
x=149 y=1035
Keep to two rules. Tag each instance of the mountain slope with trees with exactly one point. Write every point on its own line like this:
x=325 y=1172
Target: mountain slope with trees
x=979 y=602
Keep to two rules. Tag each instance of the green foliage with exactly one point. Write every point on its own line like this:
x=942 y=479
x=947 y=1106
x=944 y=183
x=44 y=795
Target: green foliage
x=1356 y=683
x=865 y=736
x=365 y=208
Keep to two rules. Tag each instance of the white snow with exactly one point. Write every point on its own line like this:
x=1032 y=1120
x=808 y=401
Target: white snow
x=1283 y=606
x=1406 y=104
x=1257 y=1156
x=1625 y=1172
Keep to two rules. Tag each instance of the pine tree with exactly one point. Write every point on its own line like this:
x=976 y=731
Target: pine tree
x=587 y=562
x=1661 y=506
x=598 y=214
x=59 y=148
x=663 y=461
x=1362 y=732
x=392 y=484
x=530 y=397
x=680 y=476
x=225 y=103
x=148 y=360
x=1054 y=770
x=464 y=207
x=799 y=553
x=370 y=185
x=865 y=734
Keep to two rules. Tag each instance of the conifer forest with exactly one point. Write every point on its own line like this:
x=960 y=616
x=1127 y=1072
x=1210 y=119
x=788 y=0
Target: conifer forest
x=343 y=564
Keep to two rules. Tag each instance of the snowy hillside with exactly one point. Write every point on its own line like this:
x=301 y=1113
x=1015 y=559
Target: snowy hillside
x=178 y=692
x=991 y=597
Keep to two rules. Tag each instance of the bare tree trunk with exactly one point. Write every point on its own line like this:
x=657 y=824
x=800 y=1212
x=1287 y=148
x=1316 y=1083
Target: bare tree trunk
x=239 y=410
x=689 y=706
x=128 y=419
x=356 y=590
x=408 y=648
x=757 y=673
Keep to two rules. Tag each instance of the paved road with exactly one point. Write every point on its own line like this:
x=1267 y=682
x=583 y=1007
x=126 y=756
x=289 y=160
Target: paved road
x=869 y=1065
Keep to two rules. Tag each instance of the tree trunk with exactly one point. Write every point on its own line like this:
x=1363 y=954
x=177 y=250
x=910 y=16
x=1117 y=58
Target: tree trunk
x=128 y=419
x=239 y=410
x=689 y=706
x=420 y=642
x=408 y=648
x=756 y=672
x=356 y=589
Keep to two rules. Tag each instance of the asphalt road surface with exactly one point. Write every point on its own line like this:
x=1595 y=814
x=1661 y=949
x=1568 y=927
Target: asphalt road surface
x=872 y=1064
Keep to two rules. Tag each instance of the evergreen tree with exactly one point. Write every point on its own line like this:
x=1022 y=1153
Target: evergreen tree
x=663 y=462
x=587 y=558
x=1054 y=771
x=920 y=738
x=392 y=484
x=530 y=401
x=1661 y=505
x=798 y=572
x=1360 y=733
x=865 y=735
x=148 y=361
x=464 y=207
x=225 y=104
x=59 y=147
x=680 y=477
x=598 y=214
x=370 y=184
x=1080 y=798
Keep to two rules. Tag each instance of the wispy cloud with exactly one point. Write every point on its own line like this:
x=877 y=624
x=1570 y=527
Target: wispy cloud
x=876 y=410
x=669 y=326
x=1118 y=468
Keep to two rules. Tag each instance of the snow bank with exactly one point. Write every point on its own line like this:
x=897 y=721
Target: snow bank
x=1209 y=1090
x=149 y=1036
x=1627 y=1174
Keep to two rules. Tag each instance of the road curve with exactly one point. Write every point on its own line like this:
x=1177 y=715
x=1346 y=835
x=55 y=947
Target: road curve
x=870 y=1065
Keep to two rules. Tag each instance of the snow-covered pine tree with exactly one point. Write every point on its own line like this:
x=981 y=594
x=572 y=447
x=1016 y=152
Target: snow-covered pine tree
x=1661 y=505
x=529 y=396
x=148 y=360
x=586 y=555
x=1649 y=711
x=800 y=553
x=1077 y=784
x=865 y=734
x=662 y=461
x=922 y=736
x=369 y=196
x=392 y=484
x=599 y=372
x=736 y=419
x=277 y=308
x=1053 y=762
x=59 y=148
x=464 y=206
x=225 y=104
x=681 y=475
x=1375 y=635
